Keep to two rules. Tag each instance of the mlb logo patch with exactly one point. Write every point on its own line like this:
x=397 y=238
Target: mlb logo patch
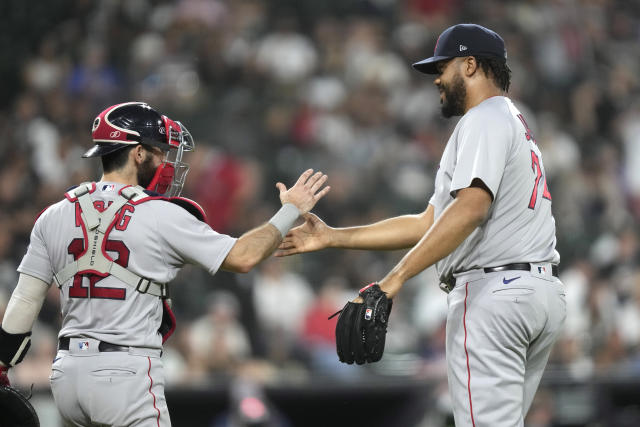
x=108 y=187
x=367 y=314
x=83 y=345
x=542 y=270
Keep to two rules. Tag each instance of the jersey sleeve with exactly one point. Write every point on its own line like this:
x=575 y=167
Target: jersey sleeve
x=483 y=145
x=36 y=262
x=191 y=241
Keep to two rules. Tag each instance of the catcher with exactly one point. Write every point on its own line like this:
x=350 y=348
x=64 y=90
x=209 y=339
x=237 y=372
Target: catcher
x=112 y=247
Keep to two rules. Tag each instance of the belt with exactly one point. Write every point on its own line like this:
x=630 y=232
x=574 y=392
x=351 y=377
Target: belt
x=525 y=266
x=63 y=344
x=449 y=284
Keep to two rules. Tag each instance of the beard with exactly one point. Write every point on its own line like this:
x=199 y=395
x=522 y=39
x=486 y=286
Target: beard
x=146 y=171
x=454 y=97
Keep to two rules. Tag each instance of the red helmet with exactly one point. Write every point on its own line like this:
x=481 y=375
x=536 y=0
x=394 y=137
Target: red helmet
x=133 y=123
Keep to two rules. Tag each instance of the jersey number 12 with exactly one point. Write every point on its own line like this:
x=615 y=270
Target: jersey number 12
x=76 y=248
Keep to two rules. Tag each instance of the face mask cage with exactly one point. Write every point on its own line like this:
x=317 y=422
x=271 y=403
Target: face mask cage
x=180 y=140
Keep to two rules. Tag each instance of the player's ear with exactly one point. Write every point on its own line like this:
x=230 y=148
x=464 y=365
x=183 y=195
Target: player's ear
x=138 y=153
x=470 y=66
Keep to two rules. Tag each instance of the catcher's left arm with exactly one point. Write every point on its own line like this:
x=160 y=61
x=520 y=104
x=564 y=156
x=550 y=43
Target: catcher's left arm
x=15 y=339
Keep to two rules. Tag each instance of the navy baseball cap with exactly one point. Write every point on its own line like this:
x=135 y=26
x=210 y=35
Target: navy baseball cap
x=463 y=40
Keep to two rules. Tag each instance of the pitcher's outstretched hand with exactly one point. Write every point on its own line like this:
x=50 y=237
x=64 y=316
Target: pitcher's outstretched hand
x=311 y=236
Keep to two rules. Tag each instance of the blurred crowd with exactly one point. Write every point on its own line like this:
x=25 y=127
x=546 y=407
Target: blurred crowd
x=269 y=88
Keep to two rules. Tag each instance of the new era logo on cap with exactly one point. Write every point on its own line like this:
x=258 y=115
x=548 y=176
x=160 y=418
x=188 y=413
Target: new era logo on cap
x=463 y=40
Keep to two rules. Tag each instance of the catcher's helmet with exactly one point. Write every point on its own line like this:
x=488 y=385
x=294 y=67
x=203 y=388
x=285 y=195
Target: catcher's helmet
x=132 y=123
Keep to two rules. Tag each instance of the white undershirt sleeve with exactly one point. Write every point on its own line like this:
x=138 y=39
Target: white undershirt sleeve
x=24 y=305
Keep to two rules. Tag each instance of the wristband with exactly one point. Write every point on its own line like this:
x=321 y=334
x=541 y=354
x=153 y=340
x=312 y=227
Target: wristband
x=283 y=219
x=13 y=347
x=367 y=287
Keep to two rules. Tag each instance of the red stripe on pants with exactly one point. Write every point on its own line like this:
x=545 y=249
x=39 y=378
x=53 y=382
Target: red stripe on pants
x=154 y=396
x=464 y=322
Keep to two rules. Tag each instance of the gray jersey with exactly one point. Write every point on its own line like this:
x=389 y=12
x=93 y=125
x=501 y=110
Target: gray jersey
x=153 y=239
x=493 y=143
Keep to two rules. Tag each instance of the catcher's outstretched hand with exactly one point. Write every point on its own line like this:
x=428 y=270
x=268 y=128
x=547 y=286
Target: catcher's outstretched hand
x=305 y=192
x=312 y=235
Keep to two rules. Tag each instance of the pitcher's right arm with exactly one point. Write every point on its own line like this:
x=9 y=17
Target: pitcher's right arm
x=399 y=232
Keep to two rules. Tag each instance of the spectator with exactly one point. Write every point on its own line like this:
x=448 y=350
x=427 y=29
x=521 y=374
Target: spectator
x=281 y=299
x=217 y=342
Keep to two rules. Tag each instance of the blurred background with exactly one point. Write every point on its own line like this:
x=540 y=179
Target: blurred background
x=269 y=88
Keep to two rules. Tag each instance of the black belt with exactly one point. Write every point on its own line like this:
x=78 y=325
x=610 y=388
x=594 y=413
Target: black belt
x=525 y=266
x=63 y=344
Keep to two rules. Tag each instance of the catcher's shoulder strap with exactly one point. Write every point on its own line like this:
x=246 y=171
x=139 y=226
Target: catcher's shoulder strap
x=187 y=204
x=190 y=206
x=96 y=225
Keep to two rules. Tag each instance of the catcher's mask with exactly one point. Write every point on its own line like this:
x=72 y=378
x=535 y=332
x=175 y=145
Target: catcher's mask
x=133 y=123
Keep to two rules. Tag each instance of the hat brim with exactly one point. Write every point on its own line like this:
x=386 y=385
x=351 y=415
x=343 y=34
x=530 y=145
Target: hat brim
x=430 y=65
x=99 y=150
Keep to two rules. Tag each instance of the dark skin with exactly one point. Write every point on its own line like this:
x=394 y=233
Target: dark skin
x=429 y=240
x=471 y=205
x=479 y=86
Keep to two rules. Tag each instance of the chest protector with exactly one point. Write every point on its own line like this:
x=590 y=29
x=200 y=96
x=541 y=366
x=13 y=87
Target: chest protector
x=95 y=259
x=96 y=224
